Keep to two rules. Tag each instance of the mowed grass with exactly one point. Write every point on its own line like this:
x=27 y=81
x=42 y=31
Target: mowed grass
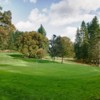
x=30 y=79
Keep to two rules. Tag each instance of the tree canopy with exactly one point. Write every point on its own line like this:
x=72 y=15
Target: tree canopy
x=61 y=47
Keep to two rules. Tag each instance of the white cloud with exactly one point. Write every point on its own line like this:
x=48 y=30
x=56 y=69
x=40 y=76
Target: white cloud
x=71 y=11
x=24 y=26
x=83 y=4
x=35 y=18
x=61 y=16
x=38 y=17
x=45 y=10
x=69 y=32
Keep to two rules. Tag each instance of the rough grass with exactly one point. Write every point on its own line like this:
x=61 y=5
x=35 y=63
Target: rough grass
x=31 y=79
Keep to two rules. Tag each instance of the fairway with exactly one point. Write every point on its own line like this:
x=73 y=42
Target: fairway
x=31 y=79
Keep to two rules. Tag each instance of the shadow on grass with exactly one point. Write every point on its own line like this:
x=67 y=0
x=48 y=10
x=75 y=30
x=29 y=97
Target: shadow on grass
x=21 y=57
x=44 y=61
x=16 y=56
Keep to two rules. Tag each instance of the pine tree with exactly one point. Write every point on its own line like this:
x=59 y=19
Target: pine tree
x=77 y=44
x=94 y=28
x=85 y=41
x=81 y=43
x=42 y=30
x=94 y=35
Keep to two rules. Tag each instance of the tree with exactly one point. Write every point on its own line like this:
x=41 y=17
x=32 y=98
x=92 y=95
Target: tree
x=95 y=52
x=94 y=28
x=94 y=35
x=87 y=43
x=52 y=47
x=6 y=30
x=82 y=43
x=11 y=41
x=41 y=30
x=3 y=39
x=64 y=47
x=32 y=44
x=7 y=16
x=78 y=45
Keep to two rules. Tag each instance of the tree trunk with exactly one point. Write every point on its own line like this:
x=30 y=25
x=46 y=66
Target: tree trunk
x=62 y=60
x=53 y=59
x=99 y=62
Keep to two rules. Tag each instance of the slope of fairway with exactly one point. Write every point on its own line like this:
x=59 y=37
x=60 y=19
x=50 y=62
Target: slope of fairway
x=29 y=79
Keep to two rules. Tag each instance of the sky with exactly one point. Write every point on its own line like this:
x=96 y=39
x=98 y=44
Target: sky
x=60 y=17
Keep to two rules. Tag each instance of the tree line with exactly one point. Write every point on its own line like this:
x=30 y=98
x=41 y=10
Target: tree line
x=87 y=43
x=33 y=44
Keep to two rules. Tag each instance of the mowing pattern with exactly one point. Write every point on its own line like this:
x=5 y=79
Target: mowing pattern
x=30 y=79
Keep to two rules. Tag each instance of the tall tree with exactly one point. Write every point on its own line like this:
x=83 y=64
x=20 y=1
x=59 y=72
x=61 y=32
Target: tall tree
x=42 y=30
x=52 y=47
x=94 y=28
x=87 y=43
x=94 y=35
x=6 y=29
x=79 y=44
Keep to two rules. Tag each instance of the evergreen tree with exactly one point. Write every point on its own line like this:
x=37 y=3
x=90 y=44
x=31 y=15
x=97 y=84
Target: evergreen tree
x=94 y=28
x=79 y=42
x=42 y=30
x=77 y=45
x=94 y=35
x=87 y=43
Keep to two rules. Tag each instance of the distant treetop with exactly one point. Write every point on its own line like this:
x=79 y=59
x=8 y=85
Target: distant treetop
x=42 y=30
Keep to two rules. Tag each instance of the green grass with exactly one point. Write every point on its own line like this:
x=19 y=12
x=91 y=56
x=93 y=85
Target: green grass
x=30 y=79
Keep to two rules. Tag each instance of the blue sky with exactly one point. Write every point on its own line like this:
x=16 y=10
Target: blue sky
x=21 y=8
x=60 y=17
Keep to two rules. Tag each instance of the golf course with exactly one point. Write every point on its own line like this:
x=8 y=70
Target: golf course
x=49 y=50
x=30 y=79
